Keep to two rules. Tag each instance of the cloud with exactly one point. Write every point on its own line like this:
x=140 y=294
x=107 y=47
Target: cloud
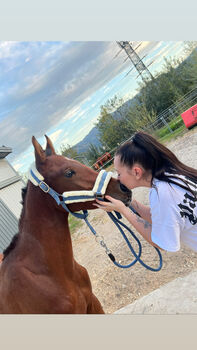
x=41 y=97
x=54 y=136
x=71 y=113
x=27 y=155
x=106 y=89
x=46 y=85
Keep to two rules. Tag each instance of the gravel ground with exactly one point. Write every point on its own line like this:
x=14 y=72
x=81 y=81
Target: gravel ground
x=116 y=287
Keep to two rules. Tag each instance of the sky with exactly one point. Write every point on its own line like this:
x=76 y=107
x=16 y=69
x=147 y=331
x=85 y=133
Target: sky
x=57 y=88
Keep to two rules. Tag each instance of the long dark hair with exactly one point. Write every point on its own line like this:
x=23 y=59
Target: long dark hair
x=157 y=159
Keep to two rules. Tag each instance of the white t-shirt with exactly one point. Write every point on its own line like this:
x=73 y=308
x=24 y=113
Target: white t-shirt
x=174 y=215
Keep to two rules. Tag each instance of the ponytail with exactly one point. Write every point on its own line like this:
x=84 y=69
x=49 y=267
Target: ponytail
x=155 y=158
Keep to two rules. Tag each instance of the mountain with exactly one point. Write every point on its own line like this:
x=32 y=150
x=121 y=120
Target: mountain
x=91 y=137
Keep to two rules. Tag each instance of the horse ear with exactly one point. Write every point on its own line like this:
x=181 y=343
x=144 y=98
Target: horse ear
x=39 y=152
x=49 y=148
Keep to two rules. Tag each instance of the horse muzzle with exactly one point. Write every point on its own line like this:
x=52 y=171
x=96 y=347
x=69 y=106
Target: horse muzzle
x=127 y=192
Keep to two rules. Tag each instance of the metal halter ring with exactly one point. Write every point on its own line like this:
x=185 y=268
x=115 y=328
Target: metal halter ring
x=43 y=184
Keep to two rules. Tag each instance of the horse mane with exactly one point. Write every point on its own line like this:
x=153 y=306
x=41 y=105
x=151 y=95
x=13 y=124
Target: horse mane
x=11 y=246
x=23 y=193
x=15 y=238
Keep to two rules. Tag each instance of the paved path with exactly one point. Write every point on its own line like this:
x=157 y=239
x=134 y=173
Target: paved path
x=176 y=297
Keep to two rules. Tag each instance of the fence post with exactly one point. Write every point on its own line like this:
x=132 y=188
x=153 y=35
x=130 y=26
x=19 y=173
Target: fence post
x=166 y=124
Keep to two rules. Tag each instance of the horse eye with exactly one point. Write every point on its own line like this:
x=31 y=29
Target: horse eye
x=69 y=173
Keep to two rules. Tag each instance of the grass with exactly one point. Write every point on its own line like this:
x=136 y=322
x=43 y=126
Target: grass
x=74 y=223
x=177 y=126
x=178 y=132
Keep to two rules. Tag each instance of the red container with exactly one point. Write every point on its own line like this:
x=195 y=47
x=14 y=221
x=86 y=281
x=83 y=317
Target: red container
x=190 y=116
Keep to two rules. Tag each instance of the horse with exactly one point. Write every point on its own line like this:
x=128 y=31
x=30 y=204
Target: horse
x=38 y=273
x=101 y=160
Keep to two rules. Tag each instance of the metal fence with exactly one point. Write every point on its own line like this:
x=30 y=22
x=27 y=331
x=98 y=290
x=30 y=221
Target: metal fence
x=173 y=111
x=163 y=119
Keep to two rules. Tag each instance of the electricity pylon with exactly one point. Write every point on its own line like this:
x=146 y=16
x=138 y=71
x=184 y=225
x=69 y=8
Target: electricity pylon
x=142 y=70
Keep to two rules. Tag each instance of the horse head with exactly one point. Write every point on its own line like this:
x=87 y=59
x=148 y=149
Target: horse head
x=63 y=174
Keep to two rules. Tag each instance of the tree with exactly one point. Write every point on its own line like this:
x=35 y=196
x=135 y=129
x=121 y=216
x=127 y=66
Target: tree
x=108 y=128
x=159 y=94
x=114 y=130
x=68 y=151
x=139 y=117
x=190 y=69
x=109 y=122
x=93 y=153
x=118 y=122
x=189 y=46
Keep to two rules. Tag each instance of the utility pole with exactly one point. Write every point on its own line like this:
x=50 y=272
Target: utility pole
x=136 y=60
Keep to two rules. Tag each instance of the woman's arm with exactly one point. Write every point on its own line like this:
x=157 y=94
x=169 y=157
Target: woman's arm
x=142 y=210
x=141 y=225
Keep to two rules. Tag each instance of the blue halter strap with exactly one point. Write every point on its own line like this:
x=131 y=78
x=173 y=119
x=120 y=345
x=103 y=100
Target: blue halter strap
x=98 y=191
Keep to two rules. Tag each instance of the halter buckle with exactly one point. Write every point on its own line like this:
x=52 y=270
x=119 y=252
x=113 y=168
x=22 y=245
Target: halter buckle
x=44 y=187
x=99 y=195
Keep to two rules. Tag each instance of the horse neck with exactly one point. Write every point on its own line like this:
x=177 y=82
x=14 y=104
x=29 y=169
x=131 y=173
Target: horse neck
x=45 y=224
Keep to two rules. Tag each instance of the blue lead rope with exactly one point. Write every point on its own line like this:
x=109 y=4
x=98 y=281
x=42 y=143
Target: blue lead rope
x=118 y=223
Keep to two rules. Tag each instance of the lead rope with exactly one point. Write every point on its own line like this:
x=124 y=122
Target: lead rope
x=118 y=223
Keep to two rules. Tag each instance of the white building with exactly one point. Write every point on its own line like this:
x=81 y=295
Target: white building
x=10 y=199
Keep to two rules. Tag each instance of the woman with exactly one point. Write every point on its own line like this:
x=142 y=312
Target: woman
x=171 y=219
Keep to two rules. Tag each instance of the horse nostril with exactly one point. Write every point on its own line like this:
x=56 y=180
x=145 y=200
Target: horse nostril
x=124 y=188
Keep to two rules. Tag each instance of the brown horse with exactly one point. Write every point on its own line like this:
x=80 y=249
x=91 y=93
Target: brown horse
x=38 y=273
x=101 y=160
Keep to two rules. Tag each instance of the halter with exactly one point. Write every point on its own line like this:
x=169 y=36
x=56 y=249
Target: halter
x=98 y=191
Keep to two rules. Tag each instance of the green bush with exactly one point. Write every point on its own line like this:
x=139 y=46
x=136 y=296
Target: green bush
x=174 y=125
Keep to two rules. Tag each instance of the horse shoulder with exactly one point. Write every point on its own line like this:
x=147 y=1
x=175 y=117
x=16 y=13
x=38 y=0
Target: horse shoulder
x=93 y=304
x=82 y=276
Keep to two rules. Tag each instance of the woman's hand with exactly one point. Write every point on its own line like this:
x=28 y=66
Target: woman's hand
x=113 y=204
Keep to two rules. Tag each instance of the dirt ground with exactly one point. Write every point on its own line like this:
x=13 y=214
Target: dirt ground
x=116 y=287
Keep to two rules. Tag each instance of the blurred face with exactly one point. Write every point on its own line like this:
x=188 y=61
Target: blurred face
x=130 y=177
